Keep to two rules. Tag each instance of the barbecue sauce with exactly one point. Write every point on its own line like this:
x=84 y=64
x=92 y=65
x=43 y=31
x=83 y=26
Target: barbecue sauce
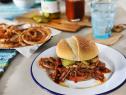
x=75 y=9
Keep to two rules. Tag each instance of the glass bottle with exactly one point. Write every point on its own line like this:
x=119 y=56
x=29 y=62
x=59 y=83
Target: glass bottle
x=75 y=9
x=50 y=8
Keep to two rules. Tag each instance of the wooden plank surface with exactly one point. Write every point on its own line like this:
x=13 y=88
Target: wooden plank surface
x=60 y=24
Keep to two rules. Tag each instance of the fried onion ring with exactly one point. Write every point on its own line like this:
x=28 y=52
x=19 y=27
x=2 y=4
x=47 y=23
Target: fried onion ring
x=9 y=45
x=36 y=35
x=12 y=37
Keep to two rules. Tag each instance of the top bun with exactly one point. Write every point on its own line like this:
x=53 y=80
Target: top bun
x=77 y=48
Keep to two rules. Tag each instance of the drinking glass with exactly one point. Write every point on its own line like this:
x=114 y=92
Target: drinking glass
x=103 y=17
x=75 y=9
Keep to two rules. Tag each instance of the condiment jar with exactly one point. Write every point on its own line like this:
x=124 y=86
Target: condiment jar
x=75 y=9
x=50 y=8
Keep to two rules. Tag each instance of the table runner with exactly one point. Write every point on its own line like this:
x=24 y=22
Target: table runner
x=5 y=59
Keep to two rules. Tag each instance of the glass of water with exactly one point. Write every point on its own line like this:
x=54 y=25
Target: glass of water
x=103 y=16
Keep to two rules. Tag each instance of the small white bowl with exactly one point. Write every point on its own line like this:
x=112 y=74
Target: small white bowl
x=24 y=4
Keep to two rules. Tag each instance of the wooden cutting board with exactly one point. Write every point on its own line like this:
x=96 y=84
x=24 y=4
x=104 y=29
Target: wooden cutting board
x=110 y=41
x=60 y=24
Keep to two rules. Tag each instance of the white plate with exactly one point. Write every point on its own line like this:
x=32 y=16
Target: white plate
x=113 y=60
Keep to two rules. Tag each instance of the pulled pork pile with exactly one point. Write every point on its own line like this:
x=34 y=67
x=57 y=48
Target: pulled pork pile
x=79 y=71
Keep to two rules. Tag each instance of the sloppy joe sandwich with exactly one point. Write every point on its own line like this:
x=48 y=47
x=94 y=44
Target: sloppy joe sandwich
x=77 y=60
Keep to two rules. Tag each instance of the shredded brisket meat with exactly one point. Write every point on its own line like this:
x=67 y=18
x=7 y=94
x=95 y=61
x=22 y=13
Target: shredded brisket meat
x=76 y=72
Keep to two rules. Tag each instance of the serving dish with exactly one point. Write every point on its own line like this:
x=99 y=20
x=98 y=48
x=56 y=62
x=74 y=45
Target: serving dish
x=113 y=59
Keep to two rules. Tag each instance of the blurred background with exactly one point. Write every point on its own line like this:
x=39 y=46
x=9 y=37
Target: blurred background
x=11 y=8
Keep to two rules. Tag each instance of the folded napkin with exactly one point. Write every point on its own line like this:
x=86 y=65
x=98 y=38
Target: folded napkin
x=5 y=58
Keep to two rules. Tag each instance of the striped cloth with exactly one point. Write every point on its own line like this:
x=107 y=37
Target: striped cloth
x=5 y=59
